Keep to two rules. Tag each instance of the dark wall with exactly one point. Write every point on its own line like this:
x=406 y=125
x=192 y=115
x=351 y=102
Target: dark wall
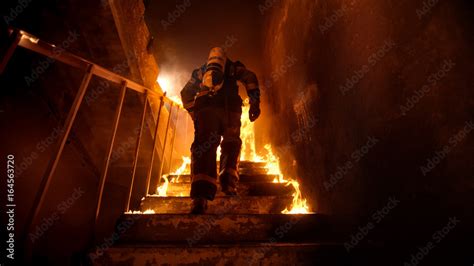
x=369 y=92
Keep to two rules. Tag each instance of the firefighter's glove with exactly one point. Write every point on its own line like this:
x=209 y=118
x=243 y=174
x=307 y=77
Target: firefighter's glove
x=254 y=112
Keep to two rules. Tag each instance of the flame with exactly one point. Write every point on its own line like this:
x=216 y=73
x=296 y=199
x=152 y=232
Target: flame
x=161 y=190
x=184 y=168
x=272 y=162
x=247 y=134
x=248 y=153
x=299 y=205
x=149 y=211
x=273 y=165
x=218 y=152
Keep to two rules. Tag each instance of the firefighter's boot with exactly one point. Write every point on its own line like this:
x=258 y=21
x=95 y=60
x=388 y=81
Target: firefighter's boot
x=199 y=206
x=229 y=183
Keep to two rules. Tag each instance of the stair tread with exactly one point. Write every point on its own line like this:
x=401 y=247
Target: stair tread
x=228 y=245
x=220 y=204
x=247 y=177
x=241 y=175
x=315 y=215
x=263 y=253
x=240 y=182
x=154 y=196
x=257 y=188
x=223 y=228
x=249 y=163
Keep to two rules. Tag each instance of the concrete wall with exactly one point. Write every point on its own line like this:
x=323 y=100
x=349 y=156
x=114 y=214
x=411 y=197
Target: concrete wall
x=371 y=90
x=135 y=38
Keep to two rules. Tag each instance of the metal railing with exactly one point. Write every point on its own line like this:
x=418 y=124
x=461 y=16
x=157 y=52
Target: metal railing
x=30 y=42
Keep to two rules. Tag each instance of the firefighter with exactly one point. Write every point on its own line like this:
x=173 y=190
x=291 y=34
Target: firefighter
x=212 y=99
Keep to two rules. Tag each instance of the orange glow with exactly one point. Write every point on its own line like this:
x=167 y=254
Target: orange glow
x=171 y=86
x=165 y=82
x=176 y=99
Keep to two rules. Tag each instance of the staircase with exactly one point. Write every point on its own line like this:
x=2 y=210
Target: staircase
x=248 y=229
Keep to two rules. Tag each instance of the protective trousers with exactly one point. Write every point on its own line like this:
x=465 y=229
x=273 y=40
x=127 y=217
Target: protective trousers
x=210 y=124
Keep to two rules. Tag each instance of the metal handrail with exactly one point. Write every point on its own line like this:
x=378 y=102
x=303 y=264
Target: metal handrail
x=137 y=151
x=34 y=44
x=105 y=168
x=155 y=139
x=172 y=142
x=30 y=42
x=162 y=162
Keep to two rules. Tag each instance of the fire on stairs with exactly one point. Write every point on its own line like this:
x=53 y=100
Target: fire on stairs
x=248 y=229
x=268 y=164
x=268 y=223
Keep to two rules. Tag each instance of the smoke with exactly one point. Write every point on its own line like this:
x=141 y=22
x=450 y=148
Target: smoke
x=172 y=79
x=174 y=73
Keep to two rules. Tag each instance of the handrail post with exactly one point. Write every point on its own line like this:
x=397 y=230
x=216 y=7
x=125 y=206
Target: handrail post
x=105 y=168
x=150 y=169
x=13 y=41
x=172 y=141
x=164 y=142
x=51 y=168
x=137 y=151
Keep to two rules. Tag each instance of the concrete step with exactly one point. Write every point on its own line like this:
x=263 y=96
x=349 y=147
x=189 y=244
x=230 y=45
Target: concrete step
x=220 y=205
x=253 y=171
x=239 y=254
x=221 y=228
x=244 y=189
x=250 y=164
x=255 y=177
